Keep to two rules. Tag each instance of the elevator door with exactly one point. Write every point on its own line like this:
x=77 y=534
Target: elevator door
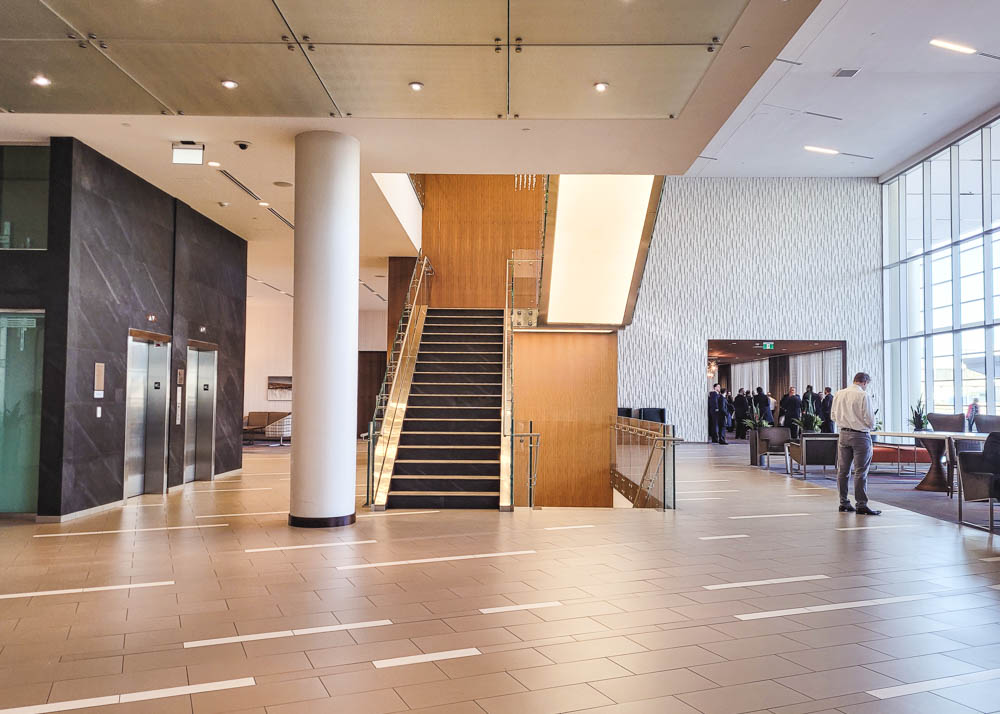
x=146 y=401
x=199 y=423
x=21 y=347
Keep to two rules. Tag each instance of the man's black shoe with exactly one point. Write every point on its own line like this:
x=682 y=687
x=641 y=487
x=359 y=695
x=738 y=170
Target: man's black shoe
x=846 y=508
x=866 y=511
x=724 y=443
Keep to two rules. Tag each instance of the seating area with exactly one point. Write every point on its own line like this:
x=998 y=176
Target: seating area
x=267 y=426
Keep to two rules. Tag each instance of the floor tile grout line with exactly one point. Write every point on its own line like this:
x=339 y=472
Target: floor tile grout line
x=930 y=685
x=127 y=530
x=275 y=548
x=362 y=566
x=279 y=634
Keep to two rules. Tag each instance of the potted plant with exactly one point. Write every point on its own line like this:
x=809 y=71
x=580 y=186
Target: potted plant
x=754 y=423
x=918 y=416
x=878 y=426
x=810 y=421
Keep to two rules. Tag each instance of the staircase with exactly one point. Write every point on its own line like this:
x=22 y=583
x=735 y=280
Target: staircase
x=449 y=448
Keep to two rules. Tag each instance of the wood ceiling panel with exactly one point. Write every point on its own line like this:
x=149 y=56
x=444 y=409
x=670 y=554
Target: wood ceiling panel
x=372 y=80
x=83 y=81
x=554 y=82
x=29 y=20
x=449 y=22
x=176 y=20
x=635 y=22
x=273 y=80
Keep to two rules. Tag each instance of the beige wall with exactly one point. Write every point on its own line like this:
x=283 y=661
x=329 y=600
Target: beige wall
x=269 y=348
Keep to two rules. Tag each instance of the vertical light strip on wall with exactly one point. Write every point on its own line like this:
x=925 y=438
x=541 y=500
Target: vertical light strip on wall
x=599 y=222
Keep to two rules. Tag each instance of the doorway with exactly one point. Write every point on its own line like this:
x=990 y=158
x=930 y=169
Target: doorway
x=199 y=404
x=146 y=403
x=21 y=347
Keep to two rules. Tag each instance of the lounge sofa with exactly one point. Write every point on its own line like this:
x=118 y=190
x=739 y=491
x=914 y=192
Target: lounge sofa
x=256 y=424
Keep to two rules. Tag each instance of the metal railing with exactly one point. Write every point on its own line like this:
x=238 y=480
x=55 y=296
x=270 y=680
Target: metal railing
x=390 y=404
x=523 y=282
x=643 y=464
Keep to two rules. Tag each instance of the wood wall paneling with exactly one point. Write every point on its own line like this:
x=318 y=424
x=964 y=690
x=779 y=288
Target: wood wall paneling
x=371 y=370
x=471 y=223
x=567 y=385
x=400 y=272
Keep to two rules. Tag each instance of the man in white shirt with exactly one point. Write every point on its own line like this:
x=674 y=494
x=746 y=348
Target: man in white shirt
x=853 y=413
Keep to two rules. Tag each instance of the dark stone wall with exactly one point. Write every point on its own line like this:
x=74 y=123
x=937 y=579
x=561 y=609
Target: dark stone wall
x=210 y=291
x=118 y=250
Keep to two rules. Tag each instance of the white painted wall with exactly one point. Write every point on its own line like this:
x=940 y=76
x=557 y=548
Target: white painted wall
x=269 y=348
x=751 y=258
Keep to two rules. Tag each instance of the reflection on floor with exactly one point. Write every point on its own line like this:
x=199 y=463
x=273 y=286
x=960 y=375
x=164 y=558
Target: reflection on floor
x=762 y=599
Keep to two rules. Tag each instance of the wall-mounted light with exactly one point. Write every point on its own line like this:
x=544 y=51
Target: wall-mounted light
x=150 y=317
x=203 y=329
x=188 y=152
x=953 y=46
x=40 y=80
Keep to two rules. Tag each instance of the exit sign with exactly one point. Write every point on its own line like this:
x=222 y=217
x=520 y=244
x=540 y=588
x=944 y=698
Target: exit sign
x=767 y=345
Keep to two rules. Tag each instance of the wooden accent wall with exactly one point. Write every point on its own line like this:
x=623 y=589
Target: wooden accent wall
x=398 y=277
x=371 y=370
x=567 y=384
x=471 y=224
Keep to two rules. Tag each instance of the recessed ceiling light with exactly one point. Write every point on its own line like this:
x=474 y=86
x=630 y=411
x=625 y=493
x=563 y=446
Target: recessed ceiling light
x=954 y=47
x=41 y=80
x=230 y=84
x=416 y=86
x=214 y=164
x=263 y=204
x=283 y=184
x=601 y=87
x=821 y=150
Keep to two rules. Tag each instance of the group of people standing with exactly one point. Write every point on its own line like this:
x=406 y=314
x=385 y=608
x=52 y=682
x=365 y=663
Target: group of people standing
x=726 y=413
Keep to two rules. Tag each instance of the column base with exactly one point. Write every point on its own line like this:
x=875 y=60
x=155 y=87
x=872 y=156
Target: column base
x=332 y=522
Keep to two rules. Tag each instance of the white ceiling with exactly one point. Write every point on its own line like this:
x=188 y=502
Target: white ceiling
x=906 y=96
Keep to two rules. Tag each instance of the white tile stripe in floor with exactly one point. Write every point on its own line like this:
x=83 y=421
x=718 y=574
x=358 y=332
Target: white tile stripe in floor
x=429 y=657
x=306 y=546
x=99 y=588
x=515 y=608
x=772 y=581
x=128 y=530
x=931 y=685
x=831 y=606
x=130 y=697
x=362 y=566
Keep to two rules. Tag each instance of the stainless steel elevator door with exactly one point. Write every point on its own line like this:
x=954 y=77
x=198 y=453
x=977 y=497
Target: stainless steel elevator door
x=137 y=373
x=205 y=415
x=190 y=413
x=157 y=402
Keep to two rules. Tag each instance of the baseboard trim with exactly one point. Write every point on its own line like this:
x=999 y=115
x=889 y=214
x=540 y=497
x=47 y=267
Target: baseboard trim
x=229 y=474
x=331 y=522
x=79 y=514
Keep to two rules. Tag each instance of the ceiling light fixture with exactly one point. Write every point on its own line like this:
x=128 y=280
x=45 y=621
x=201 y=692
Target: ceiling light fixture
x=214 y=164
x=230 y=84
x=954 y=47
x=821 y=150
x=263 y=204
x=188 y=152
x=601 y=87
x=416 y=86
x=41 y=80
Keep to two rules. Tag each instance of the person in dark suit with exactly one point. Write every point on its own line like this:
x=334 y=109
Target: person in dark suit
x=731 y=410
x=826 y=411
x=763 y=405
x=717 y=413
x=811 y=399
x=741 y=407
x=790 y=408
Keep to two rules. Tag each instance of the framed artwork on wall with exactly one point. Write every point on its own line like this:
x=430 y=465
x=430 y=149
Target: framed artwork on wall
x=279 y=389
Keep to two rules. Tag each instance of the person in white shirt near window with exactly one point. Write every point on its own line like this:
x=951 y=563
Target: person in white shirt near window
x=853 y=413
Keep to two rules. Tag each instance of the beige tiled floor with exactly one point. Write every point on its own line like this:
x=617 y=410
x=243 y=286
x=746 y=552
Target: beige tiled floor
x=636 y=631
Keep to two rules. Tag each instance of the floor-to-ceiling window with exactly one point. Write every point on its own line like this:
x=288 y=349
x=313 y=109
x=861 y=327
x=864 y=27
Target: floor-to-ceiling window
x=941 y=280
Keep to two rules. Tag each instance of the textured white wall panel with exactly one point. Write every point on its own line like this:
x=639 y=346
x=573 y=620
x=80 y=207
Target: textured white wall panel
x=751 y=258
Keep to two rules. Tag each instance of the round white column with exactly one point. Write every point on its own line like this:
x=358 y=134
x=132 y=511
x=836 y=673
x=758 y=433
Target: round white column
x=325 y=337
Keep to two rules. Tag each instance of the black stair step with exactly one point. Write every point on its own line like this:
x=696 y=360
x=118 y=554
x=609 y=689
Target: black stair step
x=466 y=501
x=485 y=367
x=455 y=378
x=463 y=312
x=454 y=400
x=461 y=338
x=463 y=329
x=439 y=320
x=493 y=348
x=446 y=468
x=448 y=453
x=477 y=425
x=449 y=438
x=492 y=356
x=457 y=389
x=458 y=484
x=414 y=412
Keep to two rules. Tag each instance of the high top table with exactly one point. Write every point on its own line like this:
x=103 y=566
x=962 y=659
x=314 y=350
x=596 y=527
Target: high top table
x=936 y=443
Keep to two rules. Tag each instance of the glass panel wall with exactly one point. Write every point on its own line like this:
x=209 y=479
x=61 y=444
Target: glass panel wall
x=21 y=343
x=941 y=281
x=24 y=197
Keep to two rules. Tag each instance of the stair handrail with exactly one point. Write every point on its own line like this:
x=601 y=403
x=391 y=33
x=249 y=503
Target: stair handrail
x=507 y=398
x=391 y=402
